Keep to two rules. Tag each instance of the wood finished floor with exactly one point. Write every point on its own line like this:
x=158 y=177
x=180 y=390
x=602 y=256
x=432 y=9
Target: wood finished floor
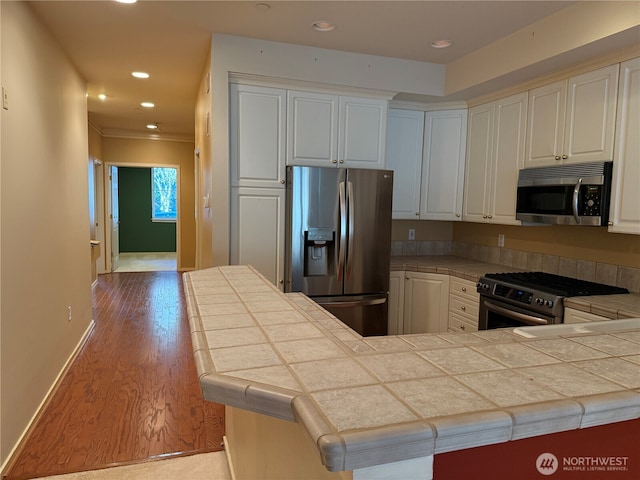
x=132 y=393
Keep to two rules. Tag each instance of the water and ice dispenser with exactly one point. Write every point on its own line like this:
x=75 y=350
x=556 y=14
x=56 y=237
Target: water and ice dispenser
x=319 y=252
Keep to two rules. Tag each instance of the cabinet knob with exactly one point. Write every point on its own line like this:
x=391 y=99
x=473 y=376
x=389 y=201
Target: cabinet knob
x=406 y=278
x=334 y=161
x=417 y=214
x=282 y=182
x=341 y=161
x=610 y=223
x=458 y=215
x=461 y=327
x=281 y=281
x=564 y=157
x=489 y=216
x=464 y=289
x=484 y=216
x=558 y=157
x=463 y=308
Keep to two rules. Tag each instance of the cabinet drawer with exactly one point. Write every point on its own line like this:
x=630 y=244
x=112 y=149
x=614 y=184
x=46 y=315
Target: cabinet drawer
x=458 y=323
x=464 y=307
x=465 y=288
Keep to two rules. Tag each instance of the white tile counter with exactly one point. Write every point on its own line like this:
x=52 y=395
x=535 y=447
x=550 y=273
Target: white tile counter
x=375 y=400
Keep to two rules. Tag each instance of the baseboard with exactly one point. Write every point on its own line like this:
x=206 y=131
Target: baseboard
x=227 y=452
x=17 y=449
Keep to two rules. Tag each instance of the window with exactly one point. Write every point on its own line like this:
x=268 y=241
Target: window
x=163 y=194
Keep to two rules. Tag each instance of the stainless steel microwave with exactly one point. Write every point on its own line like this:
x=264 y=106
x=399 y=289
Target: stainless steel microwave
x=573 y=194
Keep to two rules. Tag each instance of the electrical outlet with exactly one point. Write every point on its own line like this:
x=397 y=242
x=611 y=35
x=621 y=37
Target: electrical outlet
x=5 y=99
x=412 y=234
x=69 y=310
x=501 y=240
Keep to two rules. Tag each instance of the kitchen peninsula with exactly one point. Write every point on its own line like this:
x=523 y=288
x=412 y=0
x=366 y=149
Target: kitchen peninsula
x=309 y=398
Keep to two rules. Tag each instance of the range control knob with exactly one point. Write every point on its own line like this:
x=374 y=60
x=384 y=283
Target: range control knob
x=539 y=301
x=482 y=286
x=548 y=303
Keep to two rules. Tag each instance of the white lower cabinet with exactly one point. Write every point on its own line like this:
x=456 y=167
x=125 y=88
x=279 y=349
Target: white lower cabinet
x=257 y=230
x=464 y=305
x=395 y=325
x=571 y=315
x=426 y=302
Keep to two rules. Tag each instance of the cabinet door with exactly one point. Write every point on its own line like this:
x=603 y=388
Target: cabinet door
x=445 y=141
x=478 y=167
x=591 y=115
x=257 y=136
x=405 y=129
x=362 y=132
x=395 y=325
x=312 y=129
x=625 y=194
x=426 y=302
x=545 y=130
x=257 y=231
x=508 y=158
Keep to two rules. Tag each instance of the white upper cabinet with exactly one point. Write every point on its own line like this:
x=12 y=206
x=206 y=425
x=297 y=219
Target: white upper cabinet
x=625 y=195
x=495 y=154
x=572 y=121
x=312 y=129
x=405 y=130
x=508 y=158
x=479 y=159
x=257 y=136
x=332 y=130
x=445 y=136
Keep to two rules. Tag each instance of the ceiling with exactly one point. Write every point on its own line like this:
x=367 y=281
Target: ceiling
x=170 y=40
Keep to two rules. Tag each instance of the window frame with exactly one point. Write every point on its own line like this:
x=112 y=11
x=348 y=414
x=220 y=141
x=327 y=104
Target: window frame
x=154 y=217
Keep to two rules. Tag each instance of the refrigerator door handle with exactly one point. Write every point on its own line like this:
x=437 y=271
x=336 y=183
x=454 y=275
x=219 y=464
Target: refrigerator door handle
x=351 y=230
x=343 y=229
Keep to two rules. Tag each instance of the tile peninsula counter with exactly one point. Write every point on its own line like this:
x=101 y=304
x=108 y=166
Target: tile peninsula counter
x=307 y=397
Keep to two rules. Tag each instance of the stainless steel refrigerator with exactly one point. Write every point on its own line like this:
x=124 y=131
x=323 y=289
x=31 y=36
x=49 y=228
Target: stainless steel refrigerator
x=338 y=242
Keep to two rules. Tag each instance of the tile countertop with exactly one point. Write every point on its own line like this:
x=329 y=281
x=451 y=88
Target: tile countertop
x=608 y=306
x=366 y=401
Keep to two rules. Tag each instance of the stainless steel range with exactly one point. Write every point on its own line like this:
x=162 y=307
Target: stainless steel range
x=530 y=298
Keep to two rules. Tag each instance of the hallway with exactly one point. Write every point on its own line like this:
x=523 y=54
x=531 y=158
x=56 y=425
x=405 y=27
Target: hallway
x=132 y=393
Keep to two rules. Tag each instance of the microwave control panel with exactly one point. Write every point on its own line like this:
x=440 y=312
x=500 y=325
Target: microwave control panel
x=590 y=200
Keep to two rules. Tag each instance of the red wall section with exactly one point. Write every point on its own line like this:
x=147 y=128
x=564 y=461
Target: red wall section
x=608 y=452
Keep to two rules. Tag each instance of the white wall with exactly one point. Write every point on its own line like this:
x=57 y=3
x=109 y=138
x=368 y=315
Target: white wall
x=44 y=240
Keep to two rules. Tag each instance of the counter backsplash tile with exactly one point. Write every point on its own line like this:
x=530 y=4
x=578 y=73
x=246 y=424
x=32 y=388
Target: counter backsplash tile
x=609 y=274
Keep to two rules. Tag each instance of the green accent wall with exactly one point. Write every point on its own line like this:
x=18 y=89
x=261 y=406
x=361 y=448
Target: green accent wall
x=137 y=232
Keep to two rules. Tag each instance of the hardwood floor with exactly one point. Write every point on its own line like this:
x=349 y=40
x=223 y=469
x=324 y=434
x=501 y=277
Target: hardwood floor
x=132 y=393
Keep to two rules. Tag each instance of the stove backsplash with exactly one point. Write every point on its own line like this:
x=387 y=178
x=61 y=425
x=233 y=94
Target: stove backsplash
x=618 y=275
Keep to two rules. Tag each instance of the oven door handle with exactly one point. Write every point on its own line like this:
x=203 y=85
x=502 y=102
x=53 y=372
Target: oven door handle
x=517 y=315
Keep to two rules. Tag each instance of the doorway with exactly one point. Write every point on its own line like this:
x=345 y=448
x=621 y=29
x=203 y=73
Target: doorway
x=144 y=223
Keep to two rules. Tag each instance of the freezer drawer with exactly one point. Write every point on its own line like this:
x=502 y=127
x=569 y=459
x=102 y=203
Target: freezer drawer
x=366 y=314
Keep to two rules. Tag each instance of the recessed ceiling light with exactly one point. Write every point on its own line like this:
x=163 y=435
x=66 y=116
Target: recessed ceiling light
x=152 y=126
x=140 y=74
x=148 y=104
x=441 y=43
x=102 y=97
x=126 y=1
x=323 y=26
